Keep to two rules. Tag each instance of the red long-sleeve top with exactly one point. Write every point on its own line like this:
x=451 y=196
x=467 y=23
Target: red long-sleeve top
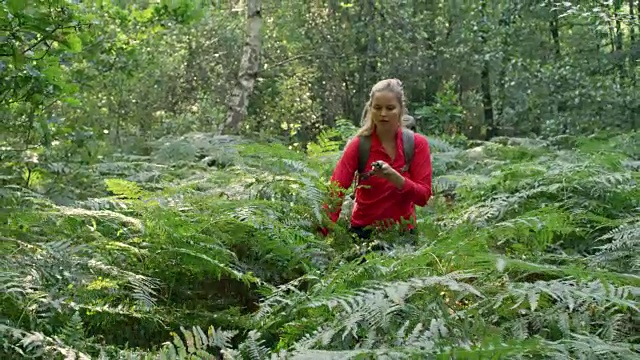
x=377 y=199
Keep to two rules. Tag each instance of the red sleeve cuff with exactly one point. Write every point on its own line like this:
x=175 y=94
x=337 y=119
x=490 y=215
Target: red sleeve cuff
x=417 y=194
x=408 y=187
x=333 y=215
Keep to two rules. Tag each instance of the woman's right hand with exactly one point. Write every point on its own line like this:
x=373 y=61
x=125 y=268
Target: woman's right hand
x=324 y=231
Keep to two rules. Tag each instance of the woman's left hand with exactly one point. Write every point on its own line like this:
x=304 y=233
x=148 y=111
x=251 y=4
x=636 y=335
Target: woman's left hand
x=384 y=170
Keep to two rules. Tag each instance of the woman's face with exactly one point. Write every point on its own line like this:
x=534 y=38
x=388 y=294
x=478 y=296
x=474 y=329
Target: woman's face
x=385 y=110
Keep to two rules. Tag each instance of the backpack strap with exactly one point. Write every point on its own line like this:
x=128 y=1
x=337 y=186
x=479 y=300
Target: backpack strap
x=408 y=146
x=364 y=145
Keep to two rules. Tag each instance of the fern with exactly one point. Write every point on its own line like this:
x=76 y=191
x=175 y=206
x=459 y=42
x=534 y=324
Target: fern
x=197 y=344
x=535 y=258
x=622 y=250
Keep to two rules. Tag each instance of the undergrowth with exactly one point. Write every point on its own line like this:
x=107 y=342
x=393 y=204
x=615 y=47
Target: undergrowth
x=205 y=248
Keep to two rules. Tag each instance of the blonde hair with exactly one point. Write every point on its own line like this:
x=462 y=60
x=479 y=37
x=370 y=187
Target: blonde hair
x=392 y=85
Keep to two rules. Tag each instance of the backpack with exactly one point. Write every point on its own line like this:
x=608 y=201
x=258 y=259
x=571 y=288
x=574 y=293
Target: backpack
x=407 y=148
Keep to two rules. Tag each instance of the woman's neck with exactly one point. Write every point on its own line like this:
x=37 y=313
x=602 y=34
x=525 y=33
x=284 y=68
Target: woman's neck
x=386 y=136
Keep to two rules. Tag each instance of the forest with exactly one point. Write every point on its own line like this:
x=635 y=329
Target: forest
x=164 y=165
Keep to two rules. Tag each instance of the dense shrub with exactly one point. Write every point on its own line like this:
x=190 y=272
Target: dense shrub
x=537 y=256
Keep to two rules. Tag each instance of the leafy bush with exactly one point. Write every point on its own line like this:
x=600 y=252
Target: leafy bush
x=536 y=256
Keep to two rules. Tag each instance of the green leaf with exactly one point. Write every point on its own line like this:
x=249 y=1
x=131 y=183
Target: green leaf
x=18 y=58
x=123 y=188
x=16 y=6
x=71 y=101
x=44 y=130
x=73 y=42
x=53 y=72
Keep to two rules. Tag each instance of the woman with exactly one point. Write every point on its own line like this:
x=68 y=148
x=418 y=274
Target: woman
x=386 y=192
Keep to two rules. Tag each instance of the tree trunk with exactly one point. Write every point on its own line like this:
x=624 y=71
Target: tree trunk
x=487 y=102
x=555 y=34
x=485 y=84
x=248 y=71
x=505 y=23
x=617 y=6
x=561 y=105
x=634 y=48
x=367 y=53
x=633 y=45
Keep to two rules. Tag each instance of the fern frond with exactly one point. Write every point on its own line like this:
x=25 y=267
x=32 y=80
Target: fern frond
x=622 y=248
x=198 y=345
x=37 y=344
